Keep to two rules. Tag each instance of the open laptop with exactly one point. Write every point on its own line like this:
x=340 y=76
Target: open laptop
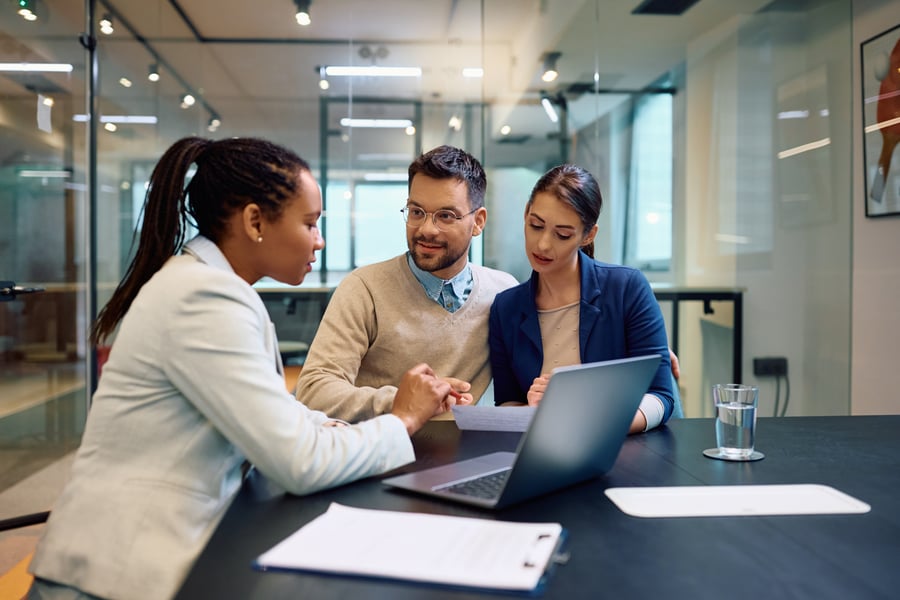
x=575 y=434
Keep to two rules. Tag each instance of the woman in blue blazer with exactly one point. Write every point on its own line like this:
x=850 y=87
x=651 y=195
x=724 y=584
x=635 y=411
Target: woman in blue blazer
x=574 y=309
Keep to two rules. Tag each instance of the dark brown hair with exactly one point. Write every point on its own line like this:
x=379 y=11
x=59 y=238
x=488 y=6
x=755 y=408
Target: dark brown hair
x=228 y=174
x=577 y=188
x=448 y=162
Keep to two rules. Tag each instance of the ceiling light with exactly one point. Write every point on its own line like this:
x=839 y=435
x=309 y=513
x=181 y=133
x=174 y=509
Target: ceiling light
x=505 y=130
x=57 y=174
x=26 y=10
x=110 y=127
x=386 y=177
x=214 y=123
x=372 y=71
x=129 y=119
x=473 y=72
x=187 y=101
x=411 y=130
x=106 y=24
x=153 y=72
x=455 y=123
x=303 y=12
x=376 y=123
x=47 y=101
x=36 y=67
x=550 y=72
x=323 y=83
x=548 y=108
x=125 y=82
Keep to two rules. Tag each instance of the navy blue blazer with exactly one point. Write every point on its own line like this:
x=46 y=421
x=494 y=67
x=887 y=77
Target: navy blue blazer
x=619 y=317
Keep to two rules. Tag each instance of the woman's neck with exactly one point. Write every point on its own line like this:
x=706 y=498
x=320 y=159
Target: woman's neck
x=559 y=288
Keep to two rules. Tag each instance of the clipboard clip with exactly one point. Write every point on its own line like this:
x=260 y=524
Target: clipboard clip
x=557 y=556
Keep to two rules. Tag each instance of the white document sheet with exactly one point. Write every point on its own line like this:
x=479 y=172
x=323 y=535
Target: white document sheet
x=456 y=551
x=493 y=418
x=734 y=500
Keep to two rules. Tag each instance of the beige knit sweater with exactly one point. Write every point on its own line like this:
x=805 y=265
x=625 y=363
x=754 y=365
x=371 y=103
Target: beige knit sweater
x=379 y=323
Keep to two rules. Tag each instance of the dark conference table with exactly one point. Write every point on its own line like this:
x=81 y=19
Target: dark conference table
x=613 y=555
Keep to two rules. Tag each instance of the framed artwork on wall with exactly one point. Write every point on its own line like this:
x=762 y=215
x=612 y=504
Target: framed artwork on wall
x=880 y=57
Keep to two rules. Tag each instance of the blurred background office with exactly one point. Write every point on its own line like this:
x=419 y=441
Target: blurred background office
x=727 y=136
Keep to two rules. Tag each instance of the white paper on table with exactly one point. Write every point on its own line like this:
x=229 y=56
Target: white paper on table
x=457 y=551
x=734 y=500
x=493 y=418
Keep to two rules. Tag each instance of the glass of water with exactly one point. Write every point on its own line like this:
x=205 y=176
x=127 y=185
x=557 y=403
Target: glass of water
x=735 y=422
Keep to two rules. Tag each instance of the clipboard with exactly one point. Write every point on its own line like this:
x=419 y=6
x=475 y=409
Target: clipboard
x=445 y=551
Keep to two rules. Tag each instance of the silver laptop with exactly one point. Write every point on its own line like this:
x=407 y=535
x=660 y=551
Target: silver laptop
x=575 y=434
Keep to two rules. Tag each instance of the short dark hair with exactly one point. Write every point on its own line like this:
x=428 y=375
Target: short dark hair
x=448 y=162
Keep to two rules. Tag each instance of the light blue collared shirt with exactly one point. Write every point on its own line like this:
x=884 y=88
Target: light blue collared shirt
x=451 y=294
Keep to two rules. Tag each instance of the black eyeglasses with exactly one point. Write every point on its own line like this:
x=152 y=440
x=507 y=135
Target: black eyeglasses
x=443 y=219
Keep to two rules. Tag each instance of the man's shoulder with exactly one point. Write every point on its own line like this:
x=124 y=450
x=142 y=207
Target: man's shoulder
x=495 y=278
x=375 y=271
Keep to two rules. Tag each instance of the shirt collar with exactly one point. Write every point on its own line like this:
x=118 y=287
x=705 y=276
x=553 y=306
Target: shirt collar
x=459 y=285
x=205 y=250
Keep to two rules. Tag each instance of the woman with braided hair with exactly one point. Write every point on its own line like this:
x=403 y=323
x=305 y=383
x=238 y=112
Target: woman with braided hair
x=193 y=386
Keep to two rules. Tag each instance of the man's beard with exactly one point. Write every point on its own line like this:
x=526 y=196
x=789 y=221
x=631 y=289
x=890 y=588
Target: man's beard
x=435 y=262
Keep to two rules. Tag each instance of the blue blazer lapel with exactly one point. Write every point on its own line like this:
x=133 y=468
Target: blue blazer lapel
x=530 y=326
x=592 y=316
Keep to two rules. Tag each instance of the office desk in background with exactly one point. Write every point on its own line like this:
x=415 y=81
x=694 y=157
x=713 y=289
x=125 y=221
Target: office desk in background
x=614 y=555
x=707 y=295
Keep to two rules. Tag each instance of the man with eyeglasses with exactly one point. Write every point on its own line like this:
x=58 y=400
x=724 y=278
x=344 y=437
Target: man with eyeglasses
x=429 y=304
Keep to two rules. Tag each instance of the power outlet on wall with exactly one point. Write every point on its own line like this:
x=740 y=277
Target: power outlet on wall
x=767 y=366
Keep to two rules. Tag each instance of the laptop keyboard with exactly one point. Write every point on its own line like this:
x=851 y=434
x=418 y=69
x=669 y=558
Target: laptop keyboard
x=486 y=486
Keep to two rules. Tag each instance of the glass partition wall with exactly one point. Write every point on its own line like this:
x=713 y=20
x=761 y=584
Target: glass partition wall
x=720 y=137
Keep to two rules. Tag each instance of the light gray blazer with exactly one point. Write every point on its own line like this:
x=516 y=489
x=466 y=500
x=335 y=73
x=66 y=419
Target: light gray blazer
x=192 y=387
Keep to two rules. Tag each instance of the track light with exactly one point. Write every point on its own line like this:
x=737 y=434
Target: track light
x=214 y=123
x=324 y=84
x=187 y=101
x=303 y=12
x=153 y=72
x=549 y=108
x=550 y=73
x=106 y=24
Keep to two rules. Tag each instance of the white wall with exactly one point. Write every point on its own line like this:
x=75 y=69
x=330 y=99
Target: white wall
x=876 y=254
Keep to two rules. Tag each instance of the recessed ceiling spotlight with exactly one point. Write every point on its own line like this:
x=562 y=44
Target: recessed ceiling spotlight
x=302 y=15
x=106 y=24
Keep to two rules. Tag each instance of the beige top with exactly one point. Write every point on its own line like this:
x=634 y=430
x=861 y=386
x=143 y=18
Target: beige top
x=379 y=323
x=559 y=334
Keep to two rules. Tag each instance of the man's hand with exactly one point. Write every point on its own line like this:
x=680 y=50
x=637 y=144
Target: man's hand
x=419 y=397
x=458 y=395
